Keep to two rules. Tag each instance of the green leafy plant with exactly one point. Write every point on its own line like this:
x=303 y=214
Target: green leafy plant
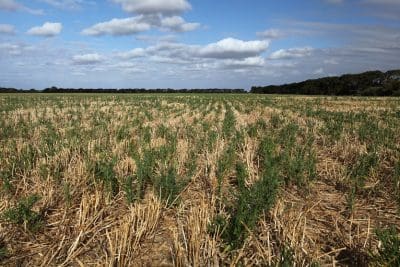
x=145 y=171
x=23 y=214
x=104 y=171
x=224 y=164
x=228 y=125
x=253 y=201
x=6 y=179
x=389 y=252
x=287 y=257
x=167 y=185
x=128 y=189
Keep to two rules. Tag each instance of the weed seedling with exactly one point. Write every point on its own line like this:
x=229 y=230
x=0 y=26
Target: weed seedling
x=23 y=214
x=389 y=252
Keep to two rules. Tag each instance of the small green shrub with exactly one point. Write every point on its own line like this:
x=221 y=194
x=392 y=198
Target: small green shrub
x=359 y=173
x=241 y=175
x=276 y=120
x=287 y=257
x=104 y=171
x=389 y=252
x=334 y=125
x=145 y=171
x=122 y=133
x=252 y=202
x=23 y=214
x=228 y=125
x=6 y=178
x=225 y=164
x=249 y=206
x=217 y=225
x=167 y=185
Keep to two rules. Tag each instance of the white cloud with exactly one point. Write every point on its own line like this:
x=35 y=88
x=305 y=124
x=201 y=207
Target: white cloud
x=87 y=59
x=226 y=54
x=48 y=29
x=331 y=61
x=155 y=39
x=134 y=53
x=119 y=27
x=150 y=14
x=141 y=23
x=318 y=71
x=64 y=4
x=154 y=6
x=233 y=48
x=178 y=24
x=11 y=49
x=270 y=34
x=15 y=49
x=7 y=29
x=292 y=53
x=245 y=63
x=12 y=5
x=9 y=5
x=238 y=51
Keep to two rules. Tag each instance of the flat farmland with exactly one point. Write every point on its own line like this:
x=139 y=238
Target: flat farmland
x=199 y=180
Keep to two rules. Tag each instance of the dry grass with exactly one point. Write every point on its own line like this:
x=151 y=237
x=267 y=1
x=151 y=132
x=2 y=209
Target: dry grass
x=149 y=180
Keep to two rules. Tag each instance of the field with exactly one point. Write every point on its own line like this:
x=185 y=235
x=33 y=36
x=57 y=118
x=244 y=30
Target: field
x=199 y=180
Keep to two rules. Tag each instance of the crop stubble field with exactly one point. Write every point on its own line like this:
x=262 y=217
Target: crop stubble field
x=199 y=180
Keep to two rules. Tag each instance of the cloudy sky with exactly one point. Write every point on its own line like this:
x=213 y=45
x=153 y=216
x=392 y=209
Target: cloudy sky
x=192 y=43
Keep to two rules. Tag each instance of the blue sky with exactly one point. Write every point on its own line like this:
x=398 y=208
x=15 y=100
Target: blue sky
x=192 y=43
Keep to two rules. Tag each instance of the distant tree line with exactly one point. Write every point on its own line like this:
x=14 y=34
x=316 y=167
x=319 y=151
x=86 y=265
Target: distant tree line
x=123 y=91
x=372 y=83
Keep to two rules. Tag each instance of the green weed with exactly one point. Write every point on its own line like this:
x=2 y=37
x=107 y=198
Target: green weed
x=23 y=214
x=389 y=252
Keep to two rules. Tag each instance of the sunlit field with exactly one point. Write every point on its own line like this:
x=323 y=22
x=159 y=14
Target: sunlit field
x=199 y=180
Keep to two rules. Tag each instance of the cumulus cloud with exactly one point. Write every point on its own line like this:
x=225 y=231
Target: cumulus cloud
x=292 y=53
x=64 y=4
x=271 y=34
x=245 y=63
x=163 y=15
x=134 y=53
x=233 y=48
x=178 y=24
x=7 y=29
x=87 y=59
x=156 y=39
x=165 y=7
x=12 y=5
x=48 y=29
x=119 y=27
x=140 y=23
x=239 y=52
x=228 y=53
